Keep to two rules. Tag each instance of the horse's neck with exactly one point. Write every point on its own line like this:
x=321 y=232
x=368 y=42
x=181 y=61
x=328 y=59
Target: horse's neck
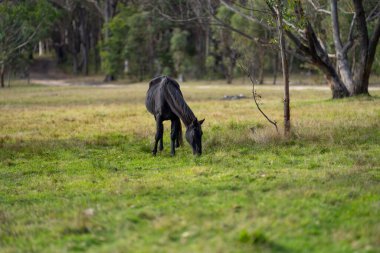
x=179 y=105
x=186 y=114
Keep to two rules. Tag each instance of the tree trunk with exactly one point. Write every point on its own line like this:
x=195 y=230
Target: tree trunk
x=228 y=73
x=338 y=88
x=40 y=48
x=285 y=68
x=275 y=68
x=107 y=17
x=360 y=86
x=261 y=65
x=9 y=79
x=229 y=78
x=316 y=54
x=109 y=78
x=75 y=64
x=371 y=56
x=97 y=59
x=341 y=54
x=229 y=66
x=85 y=69
x=319 y=58
x=2 y=74
x=84 y=41
x=367 y=50
x=291 y=60
x=230 y=70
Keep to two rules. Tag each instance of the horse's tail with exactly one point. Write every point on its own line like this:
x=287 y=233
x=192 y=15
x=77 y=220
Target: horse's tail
x=180 y=137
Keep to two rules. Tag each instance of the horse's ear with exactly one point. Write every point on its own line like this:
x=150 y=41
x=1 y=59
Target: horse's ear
x=201 y=121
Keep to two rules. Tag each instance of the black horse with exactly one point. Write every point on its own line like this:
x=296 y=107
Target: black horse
x=165 y=101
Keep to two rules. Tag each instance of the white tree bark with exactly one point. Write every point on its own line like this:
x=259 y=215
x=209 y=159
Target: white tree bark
x=341 y=55
x=40 y=48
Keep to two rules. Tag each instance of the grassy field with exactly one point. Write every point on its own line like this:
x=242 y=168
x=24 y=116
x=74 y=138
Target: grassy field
x=76 y=173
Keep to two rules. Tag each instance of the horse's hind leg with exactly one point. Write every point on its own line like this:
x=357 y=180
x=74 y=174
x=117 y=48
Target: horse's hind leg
x=159 y=133
x=179 y=133
x=161 y=144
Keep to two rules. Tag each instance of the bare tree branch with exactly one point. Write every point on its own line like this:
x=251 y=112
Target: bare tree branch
x=350 y=39
x=182 y=20
x=374 y=13
x=250 y=18
x=317 y=8
x=99 y=10
x=27 y=41
x=256 y=96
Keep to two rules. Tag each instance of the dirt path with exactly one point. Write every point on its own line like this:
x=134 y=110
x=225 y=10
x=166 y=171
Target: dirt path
x=76 y=82
x=44 y=71
x=71 y=82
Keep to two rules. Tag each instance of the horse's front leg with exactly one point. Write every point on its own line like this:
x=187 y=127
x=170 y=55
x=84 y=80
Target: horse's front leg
x=173 y=136
x=159 y=133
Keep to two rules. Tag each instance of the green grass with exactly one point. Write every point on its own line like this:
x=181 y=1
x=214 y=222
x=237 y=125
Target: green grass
x=76 y=173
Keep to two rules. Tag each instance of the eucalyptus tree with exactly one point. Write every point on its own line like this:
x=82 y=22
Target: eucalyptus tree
x=354 y=58
x=345 y=78
x=312 y=26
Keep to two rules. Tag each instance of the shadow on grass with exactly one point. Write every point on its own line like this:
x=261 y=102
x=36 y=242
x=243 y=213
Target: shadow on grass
x=261 y=243
x=42 y=147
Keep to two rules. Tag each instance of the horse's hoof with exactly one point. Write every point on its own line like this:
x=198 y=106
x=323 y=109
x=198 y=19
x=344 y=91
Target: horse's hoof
x=172 y=154
x=154 y=153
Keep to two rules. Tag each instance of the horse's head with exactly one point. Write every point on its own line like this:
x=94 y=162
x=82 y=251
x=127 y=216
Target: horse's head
x=194 y=136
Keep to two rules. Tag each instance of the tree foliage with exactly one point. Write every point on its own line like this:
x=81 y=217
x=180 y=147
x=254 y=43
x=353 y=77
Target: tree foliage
x=113 y=50
x=22 y=24
x=196 y=38
x=178 y=49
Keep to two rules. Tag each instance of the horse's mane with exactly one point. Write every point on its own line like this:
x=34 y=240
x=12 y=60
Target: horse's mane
x=177 y=103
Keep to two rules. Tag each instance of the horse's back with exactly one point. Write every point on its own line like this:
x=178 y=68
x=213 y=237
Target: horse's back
x=155 y=95
x=155 y=99
x=163 y=80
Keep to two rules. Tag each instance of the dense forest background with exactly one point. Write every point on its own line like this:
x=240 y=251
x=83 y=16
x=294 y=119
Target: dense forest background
x=185 y=39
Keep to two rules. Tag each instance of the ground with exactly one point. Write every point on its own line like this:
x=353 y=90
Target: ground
x=76 y=173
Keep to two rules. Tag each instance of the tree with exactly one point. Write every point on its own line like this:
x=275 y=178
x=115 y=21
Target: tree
x=139 y=50
x=311 y=48
x=178 y=48
x=257 y=52
x=21 y=23
x=113 y=47
x=279 y=8
x=226 y=43
x=310 y=43
x=77 y=33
